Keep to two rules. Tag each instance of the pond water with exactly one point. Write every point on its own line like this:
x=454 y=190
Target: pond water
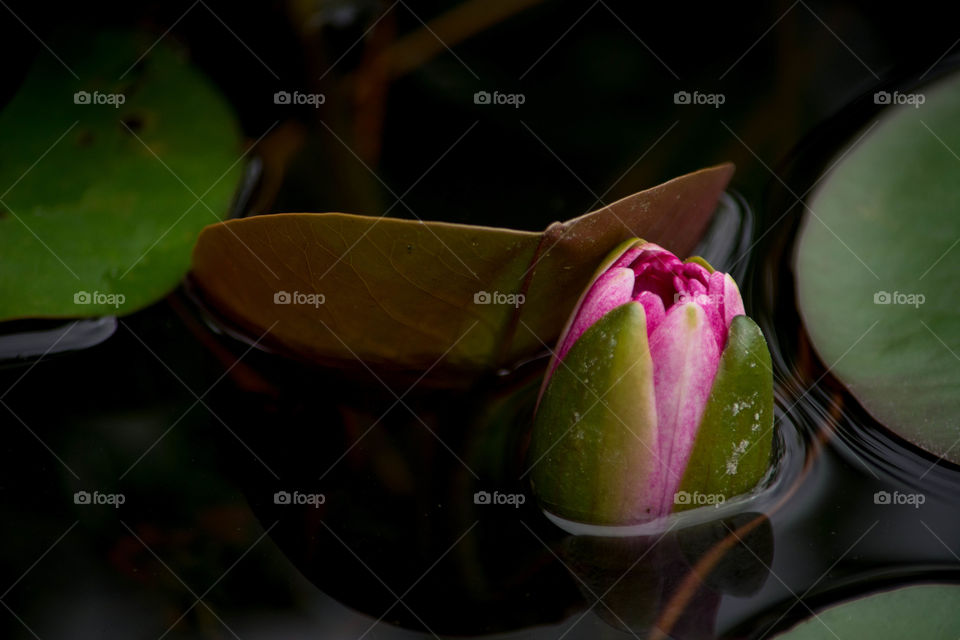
x=161 y=476
x=336 y=502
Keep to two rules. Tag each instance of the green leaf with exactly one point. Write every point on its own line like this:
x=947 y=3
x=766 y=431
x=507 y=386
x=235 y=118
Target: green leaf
x=886 y=225
x=732 y=450
x=404 y=294
x=592 y=448
x=924 y=611
x=100 y=198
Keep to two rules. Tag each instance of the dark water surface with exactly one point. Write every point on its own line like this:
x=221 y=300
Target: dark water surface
x=202 y=437
x=200 y=445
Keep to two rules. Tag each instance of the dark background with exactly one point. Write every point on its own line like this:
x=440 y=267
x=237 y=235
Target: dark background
x=598 y=79
x=598 y=122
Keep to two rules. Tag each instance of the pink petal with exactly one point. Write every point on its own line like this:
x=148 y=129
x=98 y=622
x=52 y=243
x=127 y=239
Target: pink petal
x=653 y=306
x=712 y=303
x=612 y=289
x=694 y=270
x=732 y=302
x=656 y=278
x=632 y=254
x=658 y=256
x=685 y=360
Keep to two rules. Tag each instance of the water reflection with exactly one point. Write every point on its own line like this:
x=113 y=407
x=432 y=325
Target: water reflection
x=416 y=512
x=418 y=515
x=672 y=582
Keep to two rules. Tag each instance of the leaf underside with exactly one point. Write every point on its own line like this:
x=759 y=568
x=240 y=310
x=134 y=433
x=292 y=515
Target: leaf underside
x=403 y=294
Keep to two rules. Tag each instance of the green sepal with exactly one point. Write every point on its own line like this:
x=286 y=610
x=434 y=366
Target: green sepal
x=595 y=429
x=731 y=453
x=700 y=261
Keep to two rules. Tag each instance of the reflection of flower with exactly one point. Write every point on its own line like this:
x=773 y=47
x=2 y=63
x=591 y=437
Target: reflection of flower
x=660 y=387
x=642 y=581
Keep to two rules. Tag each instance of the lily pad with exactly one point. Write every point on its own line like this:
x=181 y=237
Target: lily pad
x=876 y=269
x=107 y=178
x=408 y=295
x=925 y=611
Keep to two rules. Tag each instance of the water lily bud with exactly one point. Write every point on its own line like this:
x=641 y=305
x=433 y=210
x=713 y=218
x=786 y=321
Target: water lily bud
x=659 y=396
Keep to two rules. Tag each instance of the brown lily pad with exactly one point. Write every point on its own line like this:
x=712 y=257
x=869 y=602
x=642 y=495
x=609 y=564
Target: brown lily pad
x=407 y=295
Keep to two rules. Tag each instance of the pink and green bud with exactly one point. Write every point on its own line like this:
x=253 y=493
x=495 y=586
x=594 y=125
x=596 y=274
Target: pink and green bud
x=659 y=397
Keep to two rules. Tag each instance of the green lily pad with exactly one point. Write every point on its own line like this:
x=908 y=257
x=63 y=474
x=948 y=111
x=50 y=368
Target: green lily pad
x=925 y=611
x=876 y=270
x=411 y=295
x=106 y=179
